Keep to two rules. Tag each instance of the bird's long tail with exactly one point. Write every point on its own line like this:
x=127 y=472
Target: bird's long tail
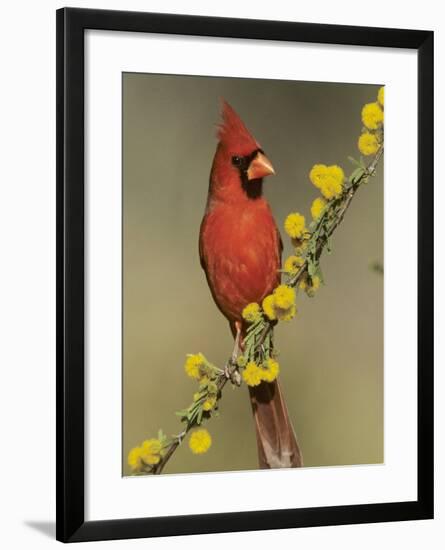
x=276 y=440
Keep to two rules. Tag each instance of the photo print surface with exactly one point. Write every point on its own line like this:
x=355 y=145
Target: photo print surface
x=252 y=274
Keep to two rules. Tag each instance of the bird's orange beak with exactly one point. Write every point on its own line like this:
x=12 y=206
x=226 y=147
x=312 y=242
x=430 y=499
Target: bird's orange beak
x=260 y=167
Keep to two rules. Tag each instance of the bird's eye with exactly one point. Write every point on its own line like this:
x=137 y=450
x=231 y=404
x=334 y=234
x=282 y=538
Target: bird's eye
x=236 y=161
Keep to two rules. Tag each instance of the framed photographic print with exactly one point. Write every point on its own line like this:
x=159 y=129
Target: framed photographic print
x=245 y=274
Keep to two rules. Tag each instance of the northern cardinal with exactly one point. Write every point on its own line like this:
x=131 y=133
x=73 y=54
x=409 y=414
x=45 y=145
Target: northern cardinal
x=240 y=250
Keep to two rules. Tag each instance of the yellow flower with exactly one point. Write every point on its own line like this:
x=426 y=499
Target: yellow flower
x=318 y=175
x=368 y=144
x=197 y=396
x=286 y=314
x=284 y=297
x=269 y=307
x=241 y=361
x=310 y=286
x=195 y=366
x=270 y=370
x=294 y=225
x=317 y=207
x=336 y=172
x=292 y=264
x=333 y=185
x=329 y=179
x=151 y=451
x=203 y=381
x=381 y=96
x=316 y=282
x=200 y=442
x=300 y=246
x=372 y=116
x=252 y=313
x=212 y=388
x=252 y=375
x=281 y=304
x=209 y=403
x=135 y=459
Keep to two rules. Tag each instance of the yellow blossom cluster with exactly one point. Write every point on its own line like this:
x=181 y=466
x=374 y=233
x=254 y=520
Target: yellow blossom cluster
x=300 y=245
x=270 y=370
x=284 y=296
x=381 y=96
x=252 y=313
x=372 y=118
x=280 y=304
x=318 y=205
x=368 y=143
x=295 y=225
x=254 y=374
x=148 y=454
x=310 y=285
x=209 y=403
x=329 y=179
x=372 y=115
x=208 y=392
x=200 y=441
x=208 y=395
x=196 y=366
x=293 y=264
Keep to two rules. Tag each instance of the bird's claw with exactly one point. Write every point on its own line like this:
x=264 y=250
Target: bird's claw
x=236 y=377
x=231 y=372
x=227 y=371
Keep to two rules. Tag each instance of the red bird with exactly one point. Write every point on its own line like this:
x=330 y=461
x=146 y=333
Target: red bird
x=240 y=249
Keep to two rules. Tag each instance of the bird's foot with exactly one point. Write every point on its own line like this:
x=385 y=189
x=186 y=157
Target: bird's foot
x=227 y=370
x=232 y=373
x=237 y=345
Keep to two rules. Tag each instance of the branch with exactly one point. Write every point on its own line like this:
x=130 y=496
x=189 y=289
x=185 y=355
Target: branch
x=222 y=378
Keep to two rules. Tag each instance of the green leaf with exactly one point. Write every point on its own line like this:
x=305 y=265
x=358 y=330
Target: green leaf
x=161 y=436
x=192 y=417
x=329 y=245
x=356 y=174
x=320 y=274
x=354 y=161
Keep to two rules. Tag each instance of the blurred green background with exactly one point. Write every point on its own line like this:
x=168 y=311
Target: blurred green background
x=331 y=355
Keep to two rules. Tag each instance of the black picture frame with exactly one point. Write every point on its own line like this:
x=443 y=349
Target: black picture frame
x=71 y=24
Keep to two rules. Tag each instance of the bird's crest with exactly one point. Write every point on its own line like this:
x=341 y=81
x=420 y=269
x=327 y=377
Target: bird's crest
x=233 y=134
